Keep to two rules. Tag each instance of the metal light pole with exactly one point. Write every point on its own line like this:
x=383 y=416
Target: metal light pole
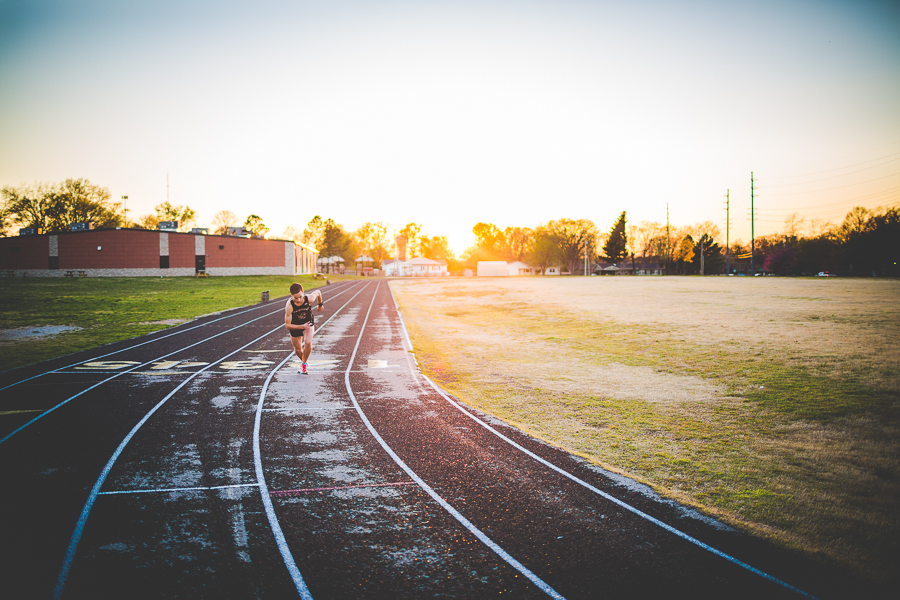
x=125 y=200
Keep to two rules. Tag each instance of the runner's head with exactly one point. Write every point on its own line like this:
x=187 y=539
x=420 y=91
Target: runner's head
x=296 y=289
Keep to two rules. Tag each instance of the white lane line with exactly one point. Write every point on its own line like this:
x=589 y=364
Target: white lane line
x=120 y=373
x=162 y=337
x=280 y=540
x=95 y=491
x=600 y=492
x=540 y=583
x=182 y=489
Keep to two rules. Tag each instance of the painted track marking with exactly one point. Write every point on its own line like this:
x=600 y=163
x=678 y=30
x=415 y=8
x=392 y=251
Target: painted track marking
x=180 y=331
x=181 y=489
x=597 y=491
x=543 y=586
x=95 y=491
x=120 y=373
x=280 y=540
x=340 y=487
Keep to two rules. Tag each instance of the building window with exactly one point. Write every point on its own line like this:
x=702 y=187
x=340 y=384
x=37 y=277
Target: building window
x=54 y=263
x=163 y=262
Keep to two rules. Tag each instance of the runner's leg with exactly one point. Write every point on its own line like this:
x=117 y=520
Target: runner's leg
x=307 y=345
x=297 y=344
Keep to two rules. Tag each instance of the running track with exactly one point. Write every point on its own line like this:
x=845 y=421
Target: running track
x=197 y=463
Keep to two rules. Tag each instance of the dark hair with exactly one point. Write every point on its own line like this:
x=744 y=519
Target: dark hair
x=296 y=287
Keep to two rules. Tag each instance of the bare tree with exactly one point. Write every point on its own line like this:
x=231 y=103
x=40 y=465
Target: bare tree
x=818 y=227
x=793 y=224
x=222 y=220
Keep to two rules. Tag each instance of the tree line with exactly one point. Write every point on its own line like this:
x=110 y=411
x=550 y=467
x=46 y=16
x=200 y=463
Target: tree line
x=54 y=207
x=867 y=242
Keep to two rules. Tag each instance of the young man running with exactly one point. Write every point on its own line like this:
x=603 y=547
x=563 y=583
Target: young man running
x=298 y=319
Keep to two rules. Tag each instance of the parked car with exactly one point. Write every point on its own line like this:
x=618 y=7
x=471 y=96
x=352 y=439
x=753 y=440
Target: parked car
x=825 y=274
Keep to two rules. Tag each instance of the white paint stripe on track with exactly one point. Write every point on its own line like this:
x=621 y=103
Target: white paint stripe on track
x=162 y=337
x=95 y=491
x=142 y=365
x=540 y=583
x=600 y=492
x=280 y=540
x=181 y=489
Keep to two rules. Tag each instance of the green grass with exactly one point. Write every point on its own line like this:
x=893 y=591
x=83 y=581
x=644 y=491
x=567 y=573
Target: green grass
x=111 y=309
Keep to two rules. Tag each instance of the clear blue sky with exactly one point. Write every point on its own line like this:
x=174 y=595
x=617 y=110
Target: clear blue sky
x=449 y=113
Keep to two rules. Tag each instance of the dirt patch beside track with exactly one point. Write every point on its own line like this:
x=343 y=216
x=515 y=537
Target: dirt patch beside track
x=770 y=402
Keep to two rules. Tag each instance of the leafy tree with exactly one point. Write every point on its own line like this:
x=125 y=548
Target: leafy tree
x=54 y=207
x=781 y=261
x=409 y=241
x=544 y=252
x=147 y=222
x=185 y=215
x=517 y=242
x=616 y=247
x=373 y=240
x=713 y=259
x=337 y=242
x=255 y=225
x=222 y=220
x=570 y=235
x=314 y=234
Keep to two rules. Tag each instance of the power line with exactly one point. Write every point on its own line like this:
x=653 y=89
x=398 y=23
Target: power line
x=839 y=168
x=777 y=185
x=834 y=188
x=846 y=156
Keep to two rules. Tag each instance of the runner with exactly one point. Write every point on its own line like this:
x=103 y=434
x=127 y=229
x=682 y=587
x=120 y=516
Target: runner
x=298 y=319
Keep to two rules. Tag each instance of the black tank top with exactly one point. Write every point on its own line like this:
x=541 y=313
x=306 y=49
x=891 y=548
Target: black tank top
x=302 y=314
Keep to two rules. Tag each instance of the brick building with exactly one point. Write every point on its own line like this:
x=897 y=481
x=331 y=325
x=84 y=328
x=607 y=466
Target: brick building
x=124 y=252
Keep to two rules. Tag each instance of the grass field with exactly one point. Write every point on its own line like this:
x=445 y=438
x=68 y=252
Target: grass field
x=771 y=403
x=104 y=310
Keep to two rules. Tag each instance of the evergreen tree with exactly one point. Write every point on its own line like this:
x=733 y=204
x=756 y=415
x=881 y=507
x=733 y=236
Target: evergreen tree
x=616 y=246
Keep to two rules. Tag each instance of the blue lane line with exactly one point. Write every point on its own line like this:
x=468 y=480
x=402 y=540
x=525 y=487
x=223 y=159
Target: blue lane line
x=162 y=337
x=120 y=373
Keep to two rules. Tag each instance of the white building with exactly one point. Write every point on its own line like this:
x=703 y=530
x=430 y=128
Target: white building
x=519 y=268
x=416 y=267
x=492 y=268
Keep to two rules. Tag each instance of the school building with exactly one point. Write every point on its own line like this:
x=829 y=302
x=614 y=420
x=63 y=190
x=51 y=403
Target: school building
x=123 y=252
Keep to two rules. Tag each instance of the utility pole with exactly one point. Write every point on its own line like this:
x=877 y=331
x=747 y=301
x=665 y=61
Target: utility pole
x=727 y=225
x=702 y=260
x=585 y=254
x=668 y=239
x=752 y=233
x=125 y=200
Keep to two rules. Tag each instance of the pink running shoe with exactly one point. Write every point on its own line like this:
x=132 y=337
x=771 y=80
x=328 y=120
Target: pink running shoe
x=303 y=369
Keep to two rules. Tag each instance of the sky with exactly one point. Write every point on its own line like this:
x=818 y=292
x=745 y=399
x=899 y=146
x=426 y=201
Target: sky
x=447 y=113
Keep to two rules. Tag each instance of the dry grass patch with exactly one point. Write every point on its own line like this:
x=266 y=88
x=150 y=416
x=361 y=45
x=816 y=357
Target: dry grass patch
x=770 y=403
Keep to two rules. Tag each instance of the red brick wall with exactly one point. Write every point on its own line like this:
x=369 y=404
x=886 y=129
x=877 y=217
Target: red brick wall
x=120 y=249
x=136 y=249
x=243 y=252
x=181 y=251
x=25 y=252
